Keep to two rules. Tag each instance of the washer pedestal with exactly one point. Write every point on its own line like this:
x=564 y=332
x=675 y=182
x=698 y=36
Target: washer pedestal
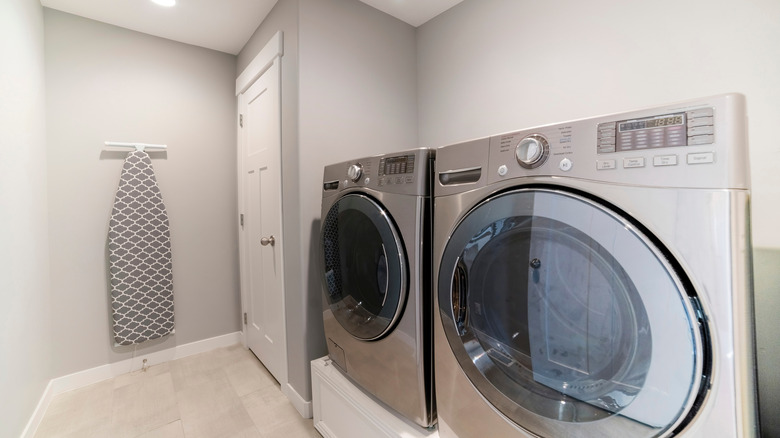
x=341 y=410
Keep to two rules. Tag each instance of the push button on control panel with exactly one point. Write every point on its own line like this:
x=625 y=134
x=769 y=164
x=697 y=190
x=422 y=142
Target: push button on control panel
x=606 y=138
x=701 y=139
x=665 y=160
x=701 y=158
x=630 y=163
x=606 y=164
x=701 y=126
x=701 y=121
x=701 y=130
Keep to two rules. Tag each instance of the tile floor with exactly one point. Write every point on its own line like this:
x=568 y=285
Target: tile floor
x=223 y=393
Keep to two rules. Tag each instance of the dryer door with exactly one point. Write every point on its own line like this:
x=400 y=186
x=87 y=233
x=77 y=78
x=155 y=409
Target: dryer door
x=364 y=267
x=568 y=319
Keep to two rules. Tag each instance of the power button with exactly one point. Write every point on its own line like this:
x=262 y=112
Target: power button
x=565 y=165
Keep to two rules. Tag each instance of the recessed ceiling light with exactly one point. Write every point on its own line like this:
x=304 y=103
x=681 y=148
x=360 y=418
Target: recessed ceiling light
x=166 y=3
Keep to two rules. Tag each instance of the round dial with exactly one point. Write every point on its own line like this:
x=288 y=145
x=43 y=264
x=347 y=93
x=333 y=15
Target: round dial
x=355 y=171
x=532 y=151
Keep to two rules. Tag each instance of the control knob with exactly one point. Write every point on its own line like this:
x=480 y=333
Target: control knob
x=354 y=172
x=532 y=151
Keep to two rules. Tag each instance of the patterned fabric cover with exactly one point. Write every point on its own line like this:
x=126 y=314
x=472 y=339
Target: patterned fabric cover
x=139 y=247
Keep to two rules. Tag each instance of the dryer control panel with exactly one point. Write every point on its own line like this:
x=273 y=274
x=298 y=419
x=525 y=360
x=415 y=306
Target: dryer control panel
x=695 y=127
x=397 y=169
x=697 y=144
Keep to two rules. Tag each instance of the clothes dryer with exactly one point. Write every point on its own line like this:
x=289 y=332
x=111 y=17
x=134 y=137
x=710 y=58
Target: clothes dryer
x=593 y=278
x=375 y=261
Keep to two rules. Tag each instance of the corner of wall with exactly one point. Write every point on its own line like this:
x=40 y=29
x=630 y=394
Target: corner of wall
x=25 y=339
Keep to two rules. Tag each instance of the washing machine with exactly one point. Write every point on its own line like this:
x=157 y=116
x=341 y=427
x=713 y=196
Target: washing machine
x=592 y=278
x=376 y=277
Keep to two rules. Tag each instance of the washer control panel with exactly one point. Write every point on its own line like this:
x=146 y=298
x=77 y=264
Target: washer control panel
x=402 y=172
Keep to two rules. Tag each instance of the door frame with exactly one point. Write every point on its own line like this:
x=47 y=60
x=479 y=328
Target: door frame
x=269 y=55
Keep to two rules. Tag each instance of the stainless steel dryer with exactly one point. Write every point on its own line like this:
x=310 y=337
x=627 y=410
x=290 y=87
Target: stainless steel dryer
x=593 y=278
x=377 y=303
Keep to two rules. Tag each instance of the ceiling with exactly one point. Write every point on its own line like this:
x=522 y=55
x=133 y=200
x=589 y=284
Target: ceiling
x=223 y=25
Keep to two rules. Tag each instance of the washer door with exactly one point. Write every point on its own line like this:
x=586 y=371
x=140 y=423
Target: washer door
x=364 y=267
x=567 y=319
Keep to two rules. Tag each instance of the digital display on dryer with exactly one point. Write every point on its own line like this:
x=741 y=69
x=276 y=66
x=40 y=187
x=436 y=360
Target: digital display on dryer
x=396 y=165
x=655 y=122
x=651 y=132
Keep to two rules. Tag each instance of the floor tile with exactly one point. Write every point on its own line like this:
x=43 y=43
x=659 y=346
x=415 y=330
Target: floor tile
x=190 y=371
x=84 y=412
x=222 y=393
x=275 y=416
x=170 y=430
x=249 y=375
x=143 y=406
x=212 y=408
x=250 y=432
x=268 y=407
x=292 y=428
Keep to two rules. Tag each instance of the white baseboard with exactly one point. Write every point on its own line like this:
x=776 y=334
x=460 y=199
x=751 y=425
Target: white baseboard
x=94 y=375
x=304 y=407
x=40 y=410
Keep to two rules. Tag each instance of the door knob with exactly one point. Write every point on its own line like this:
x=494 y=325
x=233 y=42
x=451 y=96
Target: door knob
x=265 y=241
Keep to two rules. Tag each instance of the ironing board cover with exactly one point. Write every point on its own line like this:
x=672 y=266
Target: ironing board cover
x=139 y=246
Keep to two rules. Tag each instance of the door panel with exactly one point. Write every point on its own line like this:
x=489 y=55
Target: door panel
x=262 y=240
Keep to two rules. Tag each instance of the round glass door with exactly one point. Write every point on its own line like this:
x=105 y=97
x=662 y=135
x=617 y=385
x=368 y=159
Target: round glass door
x=364 y=267
x=568 y=319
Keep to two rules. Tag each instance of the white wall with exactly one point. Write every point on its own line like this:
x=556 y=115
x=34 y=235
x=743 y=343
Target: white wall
x=490 y=66
x=25 y=339
x=108 y=83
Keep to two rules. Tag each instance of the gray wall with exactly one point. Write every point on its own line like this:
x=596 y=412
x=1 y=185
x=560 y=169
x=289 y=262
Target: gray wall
x=358 y=97
x=767 y=285
x=25 y=338
x=351 y=92
x=490 y=66
x=108 y=83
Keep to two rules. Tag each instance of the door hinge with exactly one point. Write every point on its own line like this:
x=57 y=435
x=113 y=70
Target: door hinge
x=241 y=120
x=244 y=318
x=241 y=220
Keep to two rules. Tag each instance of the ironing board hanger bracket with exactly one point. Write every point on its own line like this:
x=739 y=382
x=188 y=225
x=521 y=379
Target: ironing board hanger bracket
x=137 y=146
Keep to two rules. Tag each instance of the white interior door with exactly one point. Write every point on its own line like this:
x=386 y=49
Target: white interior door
x=261 y=233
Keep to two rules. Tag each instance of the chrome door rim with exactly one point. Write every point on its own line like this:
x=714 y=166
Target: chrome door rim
x=388 y=231
x=483 y=385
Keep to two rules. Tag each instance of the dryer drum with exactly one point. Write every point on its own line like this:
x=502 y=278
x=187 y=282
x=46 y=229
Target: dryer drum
x=561 y=312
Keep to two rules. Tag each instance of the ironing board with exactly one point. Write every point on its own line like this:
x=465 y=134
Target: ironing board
x=139 y=246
